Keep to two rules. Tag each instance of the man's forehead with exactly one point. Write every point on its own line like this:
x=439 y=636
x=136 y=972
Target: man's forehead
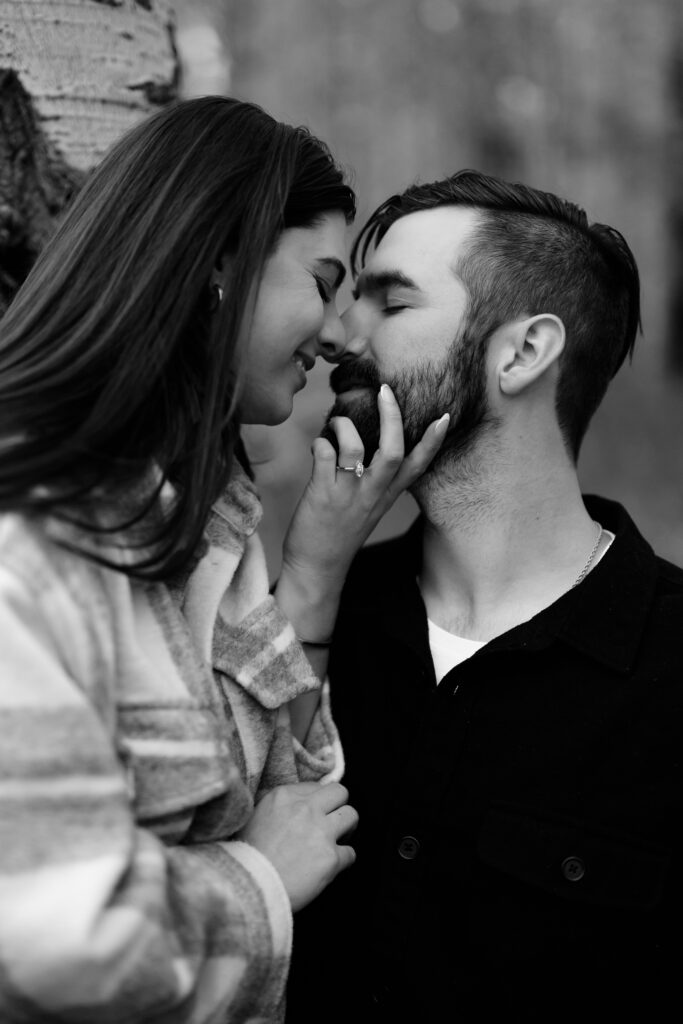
x=433 y=237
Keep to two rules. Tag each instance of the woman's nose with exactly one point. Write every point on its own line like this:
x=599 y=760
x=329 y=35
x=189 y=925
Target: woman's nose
x=332 y=338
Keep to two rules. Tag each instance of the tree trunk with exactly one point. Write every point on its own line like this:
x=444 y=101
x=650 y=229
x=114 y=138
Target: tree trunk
x=74 y=75
x=675 y=198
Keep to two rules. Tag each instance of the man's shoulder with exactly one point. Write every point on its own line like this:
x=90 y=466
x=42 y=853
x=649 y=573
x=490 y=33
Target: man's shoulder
x=669 y=576
x=634 y=576
x=614 y=517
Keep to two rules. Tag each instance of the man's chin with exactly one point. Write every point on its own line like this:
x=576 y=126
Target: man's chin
x=360 y=406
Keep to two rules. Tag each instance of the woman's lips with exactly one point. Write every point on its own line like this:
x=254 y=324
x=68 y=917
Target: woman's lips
x=303 y=365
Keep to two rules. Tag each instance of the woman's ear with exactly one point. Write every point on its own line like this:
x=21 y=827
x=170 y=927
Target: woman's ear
x=218 y=281
x=531 y=347
x=219 y=268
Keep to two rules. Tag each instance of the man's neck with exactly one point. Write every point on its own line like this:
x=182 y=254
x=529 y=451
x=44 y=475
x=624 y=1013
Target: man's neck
x=501 y=542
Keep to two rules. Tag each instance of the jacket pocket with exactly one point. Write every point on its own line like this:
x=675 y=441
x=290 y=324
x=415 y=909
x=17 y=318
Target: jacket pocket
x=575 y=862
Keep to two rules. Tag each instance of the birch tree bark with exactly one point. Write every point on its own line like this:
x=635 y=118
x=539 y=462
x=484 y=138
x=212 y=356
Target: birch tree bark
x=74 y=75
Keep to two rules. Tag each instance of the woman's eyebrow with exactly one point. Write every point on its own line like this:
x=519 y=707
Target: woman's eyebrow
x=335 y=264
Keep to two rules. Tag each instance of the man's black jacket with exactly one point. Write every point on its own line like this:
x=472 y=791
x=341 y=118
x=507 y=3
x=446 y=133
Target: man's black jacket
x=519 y=846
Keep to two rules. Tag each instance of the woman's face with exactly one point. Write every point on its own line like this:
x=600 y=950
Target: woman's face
x=295 y=318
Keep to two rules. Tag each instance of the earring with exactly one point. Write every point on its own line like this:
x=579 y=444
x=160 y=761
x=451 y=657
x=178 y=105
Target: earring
x=216 y=297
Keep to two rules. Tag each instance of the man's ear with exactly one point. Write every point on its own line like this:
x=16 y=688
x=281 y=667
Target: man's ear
x=531 y=346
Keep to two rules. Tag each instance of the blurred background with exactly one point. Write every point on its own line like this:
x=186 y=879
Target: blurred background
x=580 y=97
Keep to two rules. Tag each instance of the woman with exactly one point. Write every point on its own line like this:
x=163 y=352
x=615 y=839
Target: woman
x=151 y=690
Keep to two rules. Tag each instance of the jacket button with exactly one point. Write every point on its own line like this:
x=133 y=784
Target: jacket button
x=573 y=869
x=408 y=848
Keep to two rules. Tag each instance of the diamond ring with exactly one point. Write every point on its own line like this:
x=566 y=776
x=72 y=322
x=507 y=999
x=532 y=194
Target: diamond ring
x=358 y=469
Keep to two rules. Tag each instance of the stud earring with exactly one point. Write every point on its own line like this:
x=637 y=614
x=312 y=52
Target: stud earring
x=216 y=297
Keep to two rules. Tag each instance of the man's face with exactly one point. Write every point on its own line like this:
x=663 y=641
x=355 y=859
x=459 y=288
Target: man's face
x=406 y=328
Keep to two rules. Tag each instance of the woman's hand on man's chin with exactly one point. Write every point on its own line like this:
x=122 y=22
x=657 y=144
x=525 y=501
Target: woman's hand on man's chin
x=340 y=507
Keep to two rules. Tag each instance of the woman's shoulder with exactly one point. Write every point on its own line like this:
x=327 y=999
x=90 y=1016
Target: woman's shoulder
x=67 y=603
x=26 y=548
x=38 y=566
x=36 y=548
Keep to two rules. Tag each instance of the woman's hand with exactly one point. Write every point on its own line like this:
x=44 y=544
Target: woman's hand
x=298 y=827
x=339 y=510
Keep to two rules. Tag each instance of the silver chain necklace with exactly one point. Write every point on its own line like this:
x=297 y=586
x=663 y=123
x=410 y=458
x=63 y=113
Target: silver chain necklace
x=591 y=557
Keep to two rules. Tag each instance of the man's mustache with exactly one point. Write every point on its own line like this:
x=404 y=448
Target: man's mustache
x=354 y=373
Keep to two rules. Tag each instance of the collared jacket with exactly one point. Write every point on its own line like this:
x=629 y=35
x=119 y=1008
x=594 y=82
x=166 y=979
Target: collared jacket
x=138 y=724
x=519 y=846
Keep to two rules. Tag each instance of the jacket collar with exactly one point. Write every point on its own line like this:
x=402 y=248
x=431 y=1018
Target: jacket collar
x=238 y=508
x=233 y=517
x=607 y=613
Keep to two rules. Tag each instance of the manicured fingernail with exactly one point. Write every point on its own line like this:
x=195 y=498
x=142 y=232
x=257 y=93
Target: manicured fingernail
x=441 y=425
x=385 y=393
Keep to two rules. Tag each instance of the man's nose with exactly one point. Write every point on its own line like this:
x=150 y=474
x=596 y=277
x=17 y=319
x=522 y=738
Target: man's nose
x=356 y=333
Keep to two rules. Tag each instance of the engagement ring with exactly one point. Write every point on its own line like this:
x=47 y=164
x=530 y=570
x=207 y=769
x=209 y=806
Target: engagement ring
x=358 y=469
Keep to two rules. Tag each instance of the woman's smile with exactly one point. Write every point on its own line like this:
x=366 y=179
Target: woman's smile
x=294 y=313
x=303 y=363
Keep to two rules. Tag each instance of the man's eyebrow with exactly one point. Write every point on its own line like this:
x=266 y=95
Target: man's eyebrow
x=332 y=261
x=377 y=281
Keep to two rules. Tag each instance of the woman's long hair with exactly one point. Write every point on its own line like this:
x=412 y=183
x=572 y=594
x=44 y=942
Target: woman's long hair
x=113 y=361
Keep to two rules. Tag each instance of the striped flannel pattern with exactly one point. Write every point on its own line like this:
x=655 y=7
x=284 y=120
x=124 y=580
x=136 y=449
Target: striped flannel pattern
x=138 y=724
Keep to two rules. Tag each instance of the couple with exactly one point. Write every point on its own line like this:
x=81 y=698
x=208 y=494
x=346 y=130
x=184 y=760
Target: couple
x=504 y=680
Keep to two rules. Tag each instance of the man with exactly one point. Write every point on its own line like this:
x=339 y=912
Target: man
x=507 y=678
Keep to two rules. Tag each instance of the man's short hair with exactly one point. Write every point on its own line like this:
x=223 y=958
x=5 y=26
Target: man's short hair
x=535 y=253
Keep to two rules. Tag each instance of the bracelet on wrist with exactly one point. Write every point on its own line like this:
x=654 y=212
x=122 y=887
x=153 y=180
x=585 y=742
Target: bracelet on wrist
x=315 y=643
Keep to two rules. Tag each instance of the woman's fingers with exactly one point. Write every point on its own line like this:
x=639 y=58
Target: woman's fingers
x=331 y=796
x=343 y=821
x=350 y=447
x=391 y=444
x=390 y=471
x=422 y=454
x=347 y=857
x=389 y=458
x=324 y=462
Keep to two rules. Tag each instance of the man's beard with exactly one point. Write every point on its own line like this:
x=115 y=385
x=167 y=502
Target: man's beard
x=424 y=393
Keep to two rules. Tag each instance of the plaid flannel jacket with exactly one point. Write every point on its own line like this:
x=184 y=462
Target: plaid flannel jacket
x=139 y=722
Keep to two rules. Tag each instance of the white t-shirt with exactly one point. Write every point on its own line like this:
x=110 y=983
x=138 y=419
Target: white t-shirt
x=449 y=650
